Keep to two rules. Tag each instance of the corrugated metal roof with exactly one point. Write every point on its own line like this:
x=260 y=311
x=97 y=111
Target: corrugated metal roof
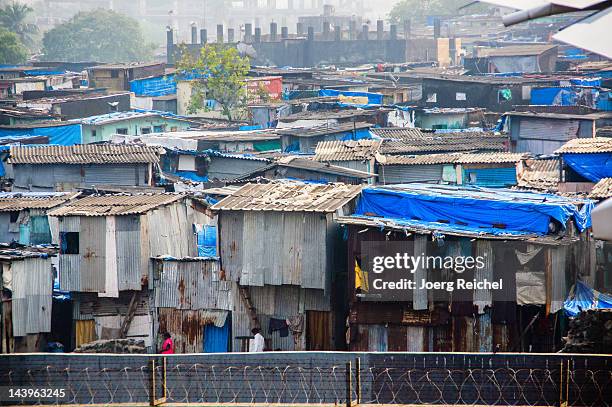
x=399 y=133
x=539 y=174
x=289 y=196
x=516 y=50
x=323 y=130
x=17 y=201
x=116 y=204
x=84 y=154
x=490 y=158
x=425 y=159
x=587 y=145
x=346 y=150
x=311 y=165
x=451 y=158
x=602 y=190
x=449 y=142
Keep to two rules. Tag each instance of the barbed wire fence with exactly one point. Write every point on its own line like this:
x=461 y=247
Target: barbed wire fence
x=153 y=380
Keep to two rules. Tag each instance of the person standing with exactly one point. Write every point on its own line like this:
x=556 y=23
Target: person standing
x=168 y=345
x=258 y=342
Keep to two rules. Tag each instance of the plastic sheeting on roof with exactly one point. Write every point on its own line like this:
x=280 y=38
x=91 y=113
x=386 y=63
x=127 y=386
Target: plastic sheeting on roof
x=156 y=86
x=593 y=167
x=504 y=212
x=67 y=135
x=354 y=98
x=582 y=298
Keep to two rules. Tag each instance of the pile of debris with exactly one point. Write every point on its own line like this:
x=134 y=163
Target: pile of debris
x=590 y=332
x=113 y=346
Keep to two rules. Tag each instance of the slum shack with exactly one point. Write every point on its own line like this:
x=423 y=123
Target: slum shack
x=66 y=168
x=23 y=216
x=280 y=243
x=306 y=169
x=584 y=163
x=533 y=245
x=482 y=169
x=26 y=289
x=106 y=246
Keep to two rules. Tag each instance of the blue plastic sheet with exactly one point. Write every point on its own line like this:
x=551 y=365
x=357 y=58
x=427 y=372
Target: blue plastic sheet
x=190 y=176
x=584 y=298
x=593 y=167
x=59 y=135
x=207 y=240
x=156 y=86
x=473 y=209
x=373 y=98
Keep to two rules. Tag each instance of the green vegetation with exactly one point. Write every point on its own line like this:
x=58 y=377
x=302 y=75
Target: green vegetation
x=14 y=18
x=420 y=9
x=99 y=35
x=12 y=51
x=224 y=73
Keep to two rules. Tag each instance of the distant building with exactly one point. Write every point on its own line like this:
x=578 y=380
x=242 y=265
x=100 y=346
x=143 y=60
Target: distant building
x=305 y=139
x=102 y=127
x=543 y=133
x=77 y=106
x=117 y=77
x=518 y=58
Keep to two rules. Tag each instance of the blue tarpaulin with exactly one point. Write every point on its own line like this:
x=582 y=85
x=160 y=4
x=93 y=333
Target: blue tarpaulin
x=216 y=340
x=207 y=240
x=593 y=167
x=372 y=98
x=59 y=135
x=156 y=86
x=582 y=297
x=496 y=211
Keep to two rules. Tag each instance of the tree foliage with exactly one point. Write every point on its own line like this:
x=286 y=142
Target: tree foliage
x=222 y=73
x=14 y=17
x=99 y=35
x=12 y=51
x=419 y=9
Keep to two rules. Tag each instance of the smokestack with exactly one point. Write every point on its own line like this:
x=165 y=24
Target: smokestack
x=194 y=33
x=436 y=27
x=220 y=33
x=311 y=34
x=230 y=35
x=326 y=30
x=338 y=33
x=365 y=32
x=380 y=30
x=273 y=31
x=257 y=34
x=352 y=29
x=284 y=32
x=248 y=33
x=300 y=28
x=393 y=32
x=203 y=36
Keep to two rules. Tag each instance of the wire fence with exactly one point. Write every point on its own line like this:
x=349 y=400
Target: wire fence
x=358 y=379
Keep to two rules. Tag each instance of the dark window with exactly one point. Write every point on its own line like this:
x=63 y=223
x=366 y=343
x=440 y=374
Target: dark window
x=122 y=131
x=69 y=243
x=145 y=130
x=158 y=129
x=93 y=133
x=114 y=74
x=14 y=216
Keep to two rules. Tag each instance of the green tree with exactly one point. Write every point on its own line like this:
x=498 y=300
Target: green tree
x=14 y=17
x=419 y=9
x=223 y=78
x=12 y=51
x=99 y=35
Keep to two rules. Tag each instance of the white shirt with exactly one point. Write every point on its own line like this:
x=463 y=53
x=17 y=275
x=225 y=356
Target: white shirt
x=257 y=344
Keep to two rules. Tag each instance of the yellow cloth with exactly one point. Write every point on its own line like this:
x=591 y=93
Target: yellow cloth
x=361 y=279
x=85 y=331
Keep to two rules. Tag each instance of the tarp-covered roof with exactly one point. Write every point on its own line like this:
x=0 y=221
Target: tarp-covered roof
x=484 y=210
x=582 y=298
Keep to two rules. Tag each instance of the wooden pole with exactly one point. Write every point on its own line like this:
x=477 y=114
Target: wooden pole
x=358 y=379
x=349 y=383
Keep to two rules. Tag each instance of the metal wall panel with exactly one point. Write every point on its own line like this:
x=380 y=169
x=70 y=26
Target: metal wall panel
x=420 y=295
x=230 y=241
x=90 y=305
x=377 y=338
x=559 y=291
x=115 y=174
x=32 y=291
x=484 y=298
x=127 y=232
x=193 y=285
x=70 y=264
x=416 y=338
x=490 y=177
x=92 y=251
x=399 y=174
